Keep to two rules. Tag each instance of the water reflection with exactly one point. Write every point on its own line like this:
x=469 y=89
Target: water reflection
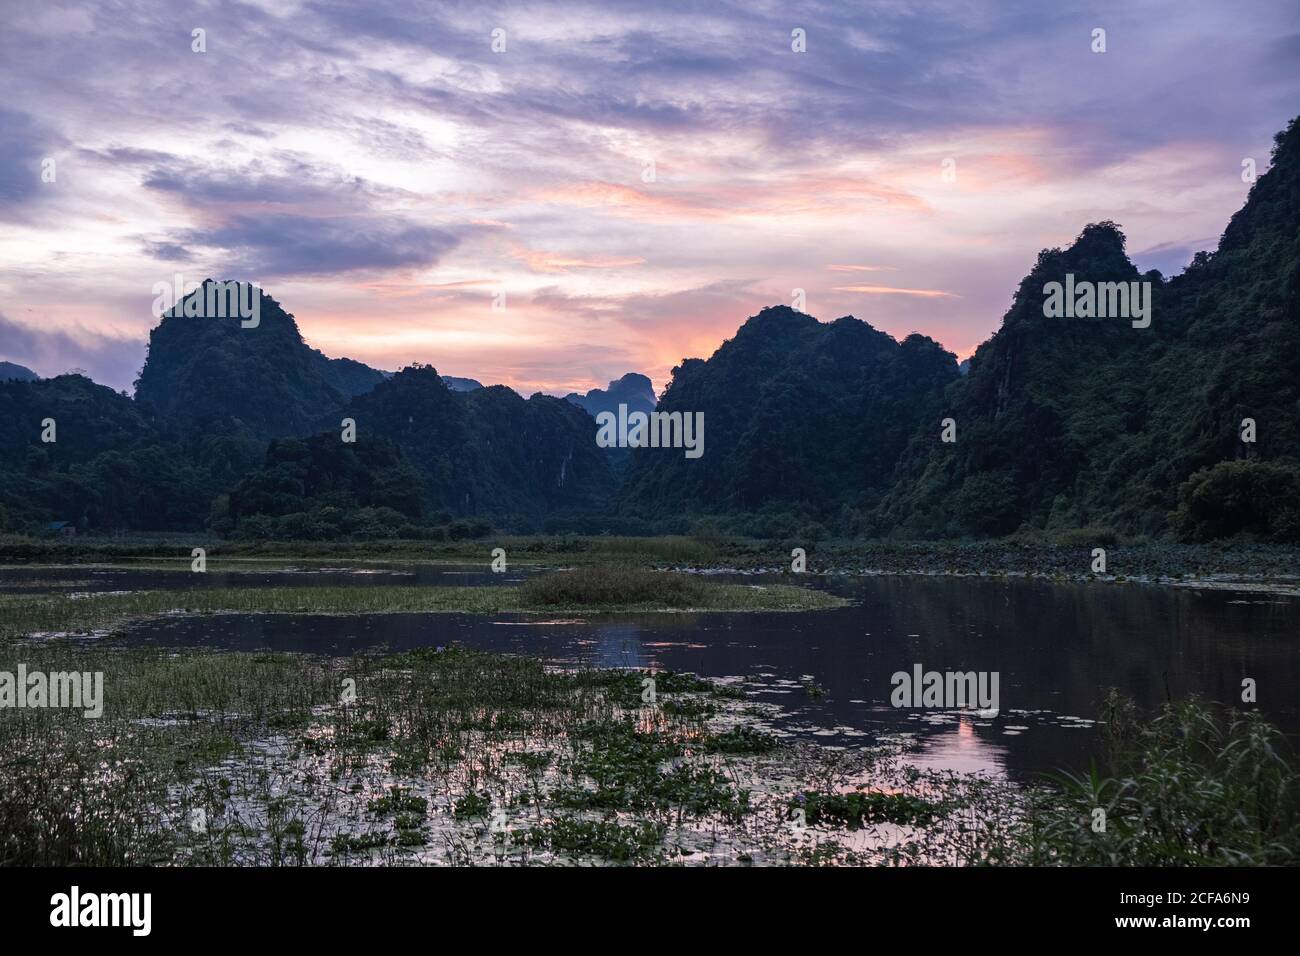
x=1055 y=646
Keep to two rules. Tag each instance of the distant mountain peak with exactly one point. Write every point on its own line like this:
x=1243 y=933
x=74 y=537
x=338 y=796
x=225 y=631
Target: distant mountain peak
x=633 y=380
x=262 y=374
x=632 y=389
x=457 y=384
x=13 y=372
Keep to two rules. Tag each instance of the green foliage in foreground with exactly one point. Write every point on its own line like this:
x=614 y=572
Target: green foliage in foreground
x=119 y=790
x=466 y=733
x=602 y=838
x=856 y=809
x=1193 y=786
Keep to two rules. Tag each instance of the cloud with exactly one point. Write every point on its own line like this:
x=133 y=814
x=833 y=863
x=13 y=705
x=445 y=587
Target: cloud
x=277 y=181
x=284 y=245
x=558 y=262
x=890 y=290
x=110 y=360
x=358 y=152
x=284 y=215
x=21 y=154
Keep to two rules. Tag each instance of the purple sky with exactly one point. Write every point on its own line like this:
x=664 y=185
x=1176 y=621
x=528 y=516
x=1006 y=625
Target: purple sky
x=381 y=171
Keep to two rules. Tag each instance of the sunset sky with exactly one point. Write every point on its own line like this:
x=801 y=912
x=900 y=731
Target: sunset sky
x=382 y=172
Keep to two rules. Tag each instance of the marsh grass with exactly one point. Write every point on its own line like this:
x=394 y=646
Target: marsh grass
x=1195 y=784
x=287 y=775
x=437 y=742
x=77 y=791
x=614 y=585
x=23 y=614
x=1062 y=555
x=521 y=549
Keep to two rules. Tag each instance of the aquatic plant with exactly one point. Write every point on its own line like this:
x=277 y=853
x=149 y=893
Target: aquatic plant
x=1194 y=785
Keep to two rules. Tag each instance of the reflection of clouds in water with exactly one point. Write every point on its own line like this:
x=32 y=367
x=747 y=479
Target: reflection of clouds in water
x=619 y=645
x=1055 y=645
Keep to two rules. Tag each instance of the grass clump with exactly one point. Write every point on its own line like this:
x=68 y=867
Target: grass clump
x=613 y=585
x=396 y=801
x=855 y=810
x=603 y=838
x=347 y=844
x=638 y=770
x=1192 y=786
x=472 y=805
x=627 y=687
x=739 y=740
x=591 y=589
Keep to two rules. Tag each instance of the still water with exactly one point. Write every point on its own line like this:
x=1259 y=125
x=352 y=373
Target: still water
x=1054 y=645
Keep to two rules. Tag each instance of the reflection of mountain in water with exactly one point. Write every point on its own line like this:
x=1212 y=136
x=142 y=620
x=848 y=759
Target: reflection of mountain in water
x=1056 y=647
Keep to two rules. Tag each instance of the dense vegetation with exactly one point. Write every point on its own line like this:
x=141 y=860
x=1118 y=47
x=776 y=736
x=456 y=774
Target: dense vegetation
x=812 y=429
x=1261 y=499
x=574 y=766
x=612 y=585
x=110 y=466
x=488 y=451
x=312 y=490
x=1060 y=423
x=1065 y=423
x=204 y=370
x=240 y=430
x=1192 y=785
x=799 y=415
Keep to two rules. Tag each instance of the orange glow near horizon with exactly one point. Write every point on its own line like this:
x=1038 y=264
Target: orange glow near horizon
x=629 y=213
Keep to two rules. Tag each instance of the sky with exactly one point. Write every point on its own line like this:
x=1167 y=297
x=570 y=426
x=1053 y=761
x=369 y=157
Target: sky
x=550 y=195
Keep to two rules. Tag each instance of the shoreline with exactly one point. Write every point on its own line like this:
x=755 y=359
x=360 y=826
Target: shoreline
x=1265 y=569
x=24 y=615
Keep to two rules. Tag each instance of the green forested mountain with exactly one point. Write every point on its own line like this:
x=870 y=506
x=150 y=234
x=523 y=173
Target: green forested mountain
x=488 y=451
x=1040 y=416
x=263 y=378
x=1070 y=422
x=203 y=442
x=633 y=390
x=10 y=372
x=107 y=467
x=348 y=375
x=1059 y=422
x=458 y=384
x=319 y=488
x=799 y=415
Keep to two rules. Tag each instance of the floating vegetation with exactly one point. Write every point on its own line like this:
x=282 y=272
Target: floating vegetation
x=858 y=809
x=24 y=614
x=466 y=757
